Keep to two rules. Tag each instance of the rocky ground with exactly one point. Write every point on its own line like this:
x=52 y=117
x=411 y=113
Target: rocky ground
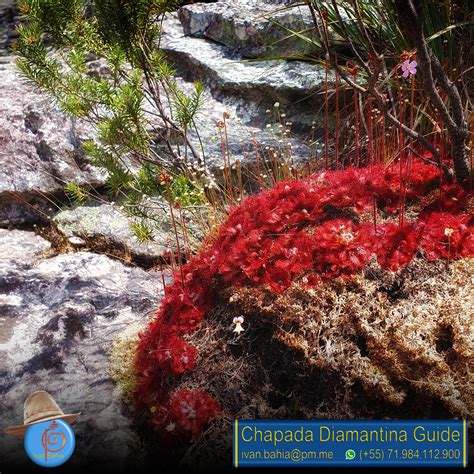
x=58 y=317
x=73 y=277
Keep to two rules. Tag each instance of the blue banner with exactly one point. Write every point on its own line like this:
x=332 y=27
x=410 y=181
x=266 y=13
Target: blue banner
x=268 y=443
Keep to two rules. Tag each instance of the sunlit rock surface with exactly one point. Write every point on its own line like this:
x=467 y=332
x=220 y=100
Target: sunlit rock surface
x=39 y=150
x=58 y=318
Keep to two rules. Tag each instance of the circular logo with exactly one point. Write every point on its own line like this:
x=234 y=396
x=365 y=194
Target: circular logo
x=50 y=443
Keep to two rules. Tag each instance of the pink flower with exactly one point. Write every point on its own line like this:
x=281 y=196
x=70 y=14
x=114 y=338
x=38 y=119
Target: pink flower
x=409 y=67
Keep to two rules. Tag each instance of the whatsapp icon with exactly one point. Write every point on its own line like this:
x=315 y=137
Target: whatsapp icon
x=350 y=454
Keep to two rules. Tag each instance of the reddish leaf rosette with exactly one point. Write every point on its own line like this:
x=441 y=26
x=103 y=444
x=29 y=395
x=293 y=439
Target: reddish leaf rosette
x=306 y=230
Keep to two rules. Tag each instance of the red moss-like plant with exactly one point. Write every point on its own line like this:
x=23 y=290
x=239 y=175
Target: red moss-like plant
x=326 y=226
x=188 y=412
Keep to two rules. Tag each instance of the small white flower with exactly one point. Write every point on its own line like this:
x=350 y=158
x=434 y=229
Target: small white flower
x=170 y=427
x=238 y=324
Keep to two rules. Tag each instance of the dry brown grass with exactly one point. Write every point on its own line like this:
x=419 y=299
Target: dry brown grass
x=393 y=333
x=383 y=345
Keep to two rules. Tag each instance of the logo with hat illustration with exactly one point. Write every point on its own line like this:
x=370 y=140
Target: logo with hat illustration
x=48 y=437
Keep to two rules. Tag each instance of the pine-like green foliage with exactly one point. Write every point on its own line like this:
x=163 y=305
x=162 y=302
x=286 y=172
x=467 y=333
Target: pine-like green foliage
x=135 y=107
x=130 y=25
x=76 y=192
x=142 y=232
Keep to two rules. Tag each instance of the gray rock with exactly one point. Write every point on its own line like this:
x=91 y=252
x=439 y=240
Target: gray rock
x=107 y=222
x=243 y=134
x=257 y=85
x=58 y=317
x=252 y=28
x=39 y=150
x=77 y=241
x=7 y=4
x=23 y=247
x=8 y=20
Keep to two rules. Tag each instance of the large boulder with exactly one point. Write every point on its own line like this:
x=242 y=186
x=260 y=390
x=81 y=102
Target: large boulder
x=247 y=128
x=253 y=86
x=58 y=318
x=39 y=150
x=252 y=28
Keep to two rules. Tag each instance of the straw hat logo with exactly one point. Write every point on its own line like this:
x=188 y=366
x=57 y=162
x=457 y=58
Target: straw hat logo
x=39 y=406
